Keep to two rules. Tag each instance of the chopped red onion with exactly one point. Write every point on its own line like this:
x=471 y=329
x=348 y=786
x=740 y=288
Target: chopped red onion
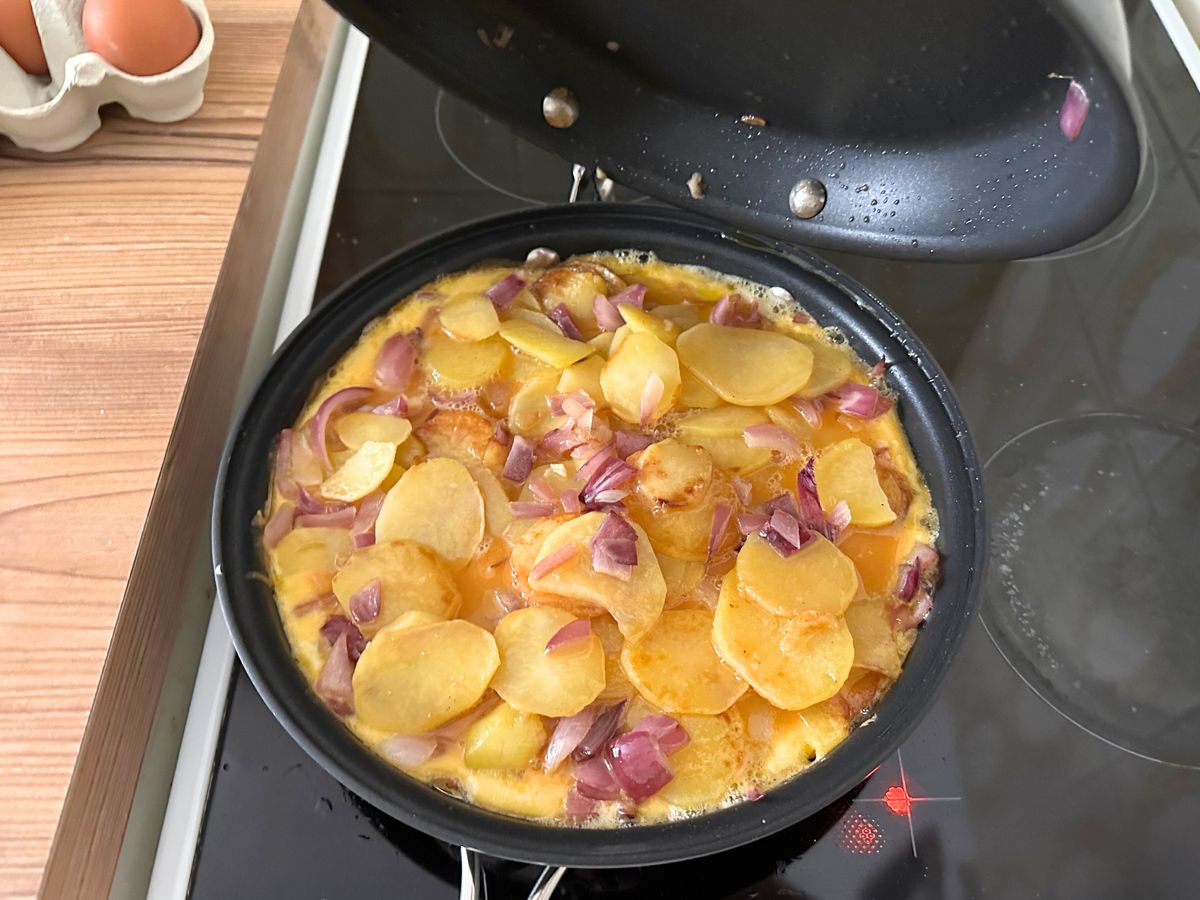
x=610 y=497
x=924 y=556
x=397 y=406
x=748 y=523
x=742 y=488
x=338 y=625
x=638 y=765
x=669 y=733
x=810 y=409
x=285 y=484
x=364 y=603
x=501 y=435
x=577 y=807
x=561 y=440
x=566 y=736
x=394 y=362
x=860 y=400
x=571 y=633
x=595 y=463
x=338 y=518
x=279 y=525
x=541 y=258
x=607 y=316
x=306 y=502
x=634 y=295
x=611 y=474
x=787 y=527
x=561 y=316
x=631 y=442
x=366 y=539
x=779 y=543
x=839 y=517
x=910 y=615
x=772 y=437
x=1073 y=112
x=532 y=509
x=879 y=369
x=652 y=393
x=333 y=404
x=519 y=463
x=508 y=600
x=570 y=502
x=579 y=407
x=363 y=529
x=735 y=311
x=325 y=602
x=594 y=779
x=614 y=547
x=602 y=729
x=783 y=501
x=542 y=490
x=720 y=522
x=505 y=290
x=810 y=512
x=803 y=318
x=753 y=794
x=334 y=684
x=906 y=583
x=552 y=561
x=409 y=749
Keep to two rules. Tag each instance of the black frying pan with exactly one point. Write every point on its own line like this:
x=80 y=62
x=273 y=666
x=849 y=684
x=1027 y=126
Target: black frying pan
x=928 y=410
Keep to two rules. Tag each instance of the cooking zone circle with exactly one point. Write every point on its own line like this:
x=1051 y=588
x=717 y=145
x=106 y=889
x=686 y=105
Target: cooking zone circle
x=1101 y=628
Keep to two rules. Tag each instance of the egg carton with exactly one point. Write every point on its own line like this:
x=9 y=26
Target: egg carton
x=62 y=111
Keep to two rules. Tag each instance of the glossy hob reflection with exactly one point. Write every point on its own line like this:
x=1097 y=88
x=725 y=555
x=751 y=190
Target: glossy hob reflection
x=1059 y=759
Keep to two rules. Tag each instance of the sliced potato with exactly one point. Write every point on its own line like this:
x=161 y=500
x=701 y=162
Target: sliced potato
x=745 y=366
x=549 y=347
x=413 y=618
x=635 y=604
x=410 y=680
x=459 y=366
x=673 y=472
x=628 y=369
x=803 y=736
x=681 y=575
x=540 y=319
x=786 y=417
x=584 y=376
x=695 y=394
x=710 y=765
x=720 y=432
x=684 y=315
x=436 y=503
x=817 y=578
x=574 y=289
x=676 y=668
x=470 y=319
x=846 y=471
x=560 y=683
x=603 y=343
x=639 y=320
x=616 y=683
x=460 y=434
x=531 y=403
x=411 y=451
x=355 y=429
x=683 y=531
x=361 y=473
x=296 y=590
x=312 y=550
x=831 y=366
x=793 y=662
x=618 y=338
x=504 y=738
x=497 y=512
x=410 y=577
x=869 y=621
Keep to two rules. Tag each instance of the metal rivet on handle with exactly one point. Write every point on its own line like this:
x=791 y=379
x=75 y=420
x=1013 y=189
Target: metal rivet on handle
x=560 y=109
x=807 y=198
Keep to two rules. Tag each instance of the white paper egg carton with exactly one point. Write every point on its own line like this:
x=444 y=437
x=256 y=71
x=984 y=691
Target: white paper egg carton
x=62 y=111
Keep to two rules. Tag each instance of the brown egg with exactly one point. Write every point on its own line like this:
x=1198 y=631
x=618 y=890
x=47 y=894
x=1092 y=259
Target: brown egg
x=141 y=37
x=19 y=36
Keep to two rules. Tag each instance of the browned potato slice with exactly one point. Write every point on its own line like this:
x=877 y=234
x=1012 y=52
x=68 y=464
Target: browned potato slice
x=504 y=738
x=470 y=319
x=683 y=531
x=549 y=347
x=673 y=473
x=356 y=428
x=793 y=662
x=635 y=604
x=410 y=680
x=616 y=684
x=436 y=503
x=526 y=545
x=694 y=394
x=560 y=683
x=676 y=668
x=817 y=578
x=846 y=471
x=870 y=625
x=720 y=431
x=744 y=366
x=361 y=473
x=312 y=550
x=574 y=289
x=457 y=433
x=410 y=577
x=831 y=366
x=625 y=375
x=804 y=736
x=458 y=365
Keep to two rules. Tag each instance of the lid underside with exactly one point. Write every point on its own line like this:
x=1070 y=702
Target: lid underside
x=934 y=131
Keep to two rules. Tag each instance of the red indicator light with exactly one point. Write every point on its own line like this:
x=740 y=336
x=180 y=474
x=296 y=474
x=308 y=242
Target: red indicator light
x=897 y=800
x=860 y=834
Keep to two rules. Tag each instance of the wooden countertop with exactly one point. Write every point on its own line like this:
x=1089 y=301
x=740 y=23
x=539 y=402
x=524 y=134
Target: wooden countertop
x=110 y=253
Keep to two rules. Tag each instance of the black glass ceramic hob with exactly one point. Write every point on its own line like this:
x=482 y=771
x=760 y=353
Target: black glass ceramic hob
x=1062 y=758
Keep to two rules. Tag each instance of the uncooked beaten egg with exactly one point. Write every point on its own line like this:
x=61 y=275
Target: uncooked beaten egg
x=141 y=37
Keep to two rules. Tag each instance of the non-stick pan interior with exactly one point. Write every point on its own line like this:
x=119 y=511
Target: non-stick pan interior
x=928 y=410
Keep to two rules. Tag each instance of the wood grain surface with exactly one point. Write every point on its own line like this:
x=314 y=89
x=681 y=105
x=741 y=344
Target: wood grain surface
x=108 y=258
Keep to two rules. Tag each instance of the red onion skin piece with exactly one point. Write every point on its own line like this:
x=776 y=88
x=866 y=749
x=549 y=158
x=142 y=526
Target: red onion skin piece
x=540 y=489
x=332 y=404
x=364 y=519
x=532 y=509
x=568 y=636
x=839 y=519
x=561 y=316
x=559 y=557
x=519 y=463
x=906 y=583
x=811 y=514
x=787 y=527
x=596 y=462
x=334 y=684
x=395 y=361
x=810 y=409
x=614 y=473
x=1073 y=112
x=748 y=523
x=670 y=734
x=735 y=311
x=561 y=440
x=602 y=729
x=619 y=536
x=860 y=400
x=308 y=504
x=578 y=808
x=566 y=736
x=720 y=522
x=607 y=316
x=772 y=437
x=279 y=525
x=780 y=544
x=594 y=779
x=409 y=749
x=504 y=291
x=364 y=603
x=337 y=626
x=630 y=442
x=634 y=295
x=570 y=502
x=638 y=765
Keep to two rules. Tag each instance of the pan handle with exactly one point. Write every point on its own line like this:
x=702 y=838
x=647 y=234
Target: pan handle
x=473 y=884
